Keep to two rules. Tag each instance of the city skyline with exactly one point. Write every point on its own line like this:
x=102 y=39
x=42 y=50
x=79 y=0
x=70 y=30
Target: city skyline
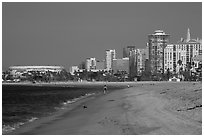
x=68 y=33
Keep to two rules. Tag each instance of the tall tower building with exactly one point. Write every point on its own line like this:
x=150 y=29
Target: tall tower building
x=110 y=55
x=188 y=38
x=157 y=42
x=132 y=64
x=141 y=58
x=126 y=51
x=131 y=53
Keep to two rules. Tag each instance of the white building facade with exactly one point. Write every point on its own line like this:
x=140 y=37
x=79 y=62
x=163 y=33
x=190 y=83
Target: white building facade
x=90 y=64
x=110 y=55
x=183 y=51
x=168 y=57
x=141 y=57
x=18 y=71
x=73 y=69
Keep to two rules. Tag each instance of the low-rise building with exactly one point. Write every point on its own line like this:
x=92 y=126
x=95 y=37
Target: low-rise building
x=19 y=70
x=121 y=65
x=73 y=69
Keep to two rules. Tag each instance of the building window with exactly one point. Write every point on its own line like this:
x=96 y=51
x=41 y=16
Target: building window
x=179 y=55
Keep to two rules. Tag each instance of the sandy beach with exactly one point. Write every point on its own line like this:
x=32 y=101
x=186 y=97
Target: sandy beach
x=145 y=108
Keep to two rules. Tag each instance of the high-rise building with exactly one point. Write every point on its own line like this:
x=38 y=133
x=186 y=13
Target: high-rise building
x=147 y=51
x=131 y=53
x=181 y=54
x=157 y=42
x=121 y=65
x=168 y=57
x=110 y=55
x=141 y=58
x=90 y=63
x=147 y=64
x=132 y=64
x=126 y=51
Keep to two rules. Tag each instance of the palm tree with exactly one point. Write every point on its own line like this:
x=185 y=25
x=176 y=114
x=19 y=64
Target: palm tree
x=179 y=62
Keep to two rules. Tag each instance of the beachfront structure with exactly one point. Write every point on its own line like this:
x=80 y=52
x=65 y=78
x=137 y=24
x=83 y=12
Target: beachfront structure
x=36 y=68
x=18 y=71
x=157 y=43
x=73 y=69
x=121 y=65
x=182 y=53
x=90 y=64
x=110 y=55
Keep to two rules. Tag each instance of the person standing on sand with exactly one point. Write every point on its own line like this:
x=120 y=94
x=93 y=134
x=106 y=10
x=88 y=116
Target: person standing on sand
x=104 y=89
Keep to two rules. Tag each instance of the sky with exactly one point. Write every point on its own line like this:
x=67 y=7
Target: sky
x=65 y=34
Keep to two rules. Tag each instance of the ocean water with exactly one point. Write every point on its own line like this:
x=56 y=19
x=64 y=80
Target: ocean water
x=22 y=104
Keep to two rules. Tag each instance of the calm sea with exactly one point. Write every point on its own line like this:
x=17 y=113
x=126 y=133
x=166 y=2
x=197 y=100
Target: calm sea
x=21 y=103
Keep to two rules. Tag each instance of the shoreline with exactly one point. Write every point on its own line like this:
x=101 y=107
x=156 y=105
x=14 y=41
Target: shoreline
x=133 y=110
x=99 y=83
x=65 y=108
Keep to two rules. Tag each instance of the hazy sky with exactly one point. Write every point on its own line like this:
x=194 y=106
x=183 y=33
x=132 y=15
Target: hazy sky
x=68 y=33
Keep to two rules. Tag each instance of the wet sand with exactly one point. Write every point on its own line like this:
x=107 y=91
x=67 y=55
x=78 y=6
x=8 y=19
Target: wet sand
x=161 y=108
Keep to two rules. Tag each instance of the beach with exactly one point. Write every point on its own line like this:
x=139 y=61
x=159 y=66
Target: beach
x=145 y=108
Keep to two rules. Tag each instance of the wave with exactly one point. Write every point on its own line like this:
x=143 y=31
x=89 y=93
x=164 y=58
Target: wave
x=9 y=128
x=75 y=100
x=27 y=104
x=32 y=119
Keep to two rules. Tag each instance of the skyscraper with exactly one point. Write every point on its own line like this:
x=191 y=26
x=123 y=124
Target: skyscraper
x=131 y=53
x=141 y=58
x=157 y=42
x=110 y=55
x=132 y=64
x=126 y=51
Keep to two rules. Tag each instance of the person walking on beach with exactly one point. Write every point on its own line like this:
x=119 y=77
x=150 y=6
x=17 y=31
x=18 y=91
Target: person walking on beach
x=104 y=89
